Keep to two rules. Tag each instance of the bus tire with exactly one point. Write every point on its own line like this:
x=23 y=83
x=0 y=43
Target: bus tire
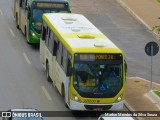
x=17 y=21
x=47 y=73
x=63 y=95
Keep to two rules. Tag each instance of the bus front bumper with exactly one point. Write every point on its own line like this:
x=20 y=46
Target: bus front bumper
x=34 y=40
x=96 y=107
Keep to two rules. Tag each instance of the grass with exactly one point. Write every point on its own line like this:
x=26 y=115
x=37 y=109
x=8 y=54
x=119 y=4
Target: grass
x=136 y=81
x=158 y=1
x=157 y=93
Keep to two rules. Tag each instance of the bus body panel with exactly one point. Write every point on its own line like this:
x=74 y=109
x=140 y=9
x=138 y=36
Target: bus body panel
x=81 y=106
x=23 y=20
x=42 y=52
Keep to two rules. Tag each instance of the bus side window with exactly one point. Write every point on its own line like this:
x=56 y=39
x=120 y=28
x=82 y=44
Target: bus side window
x=46 y=40
x=26 y=4
x=43 y=33
x=59 y=53
x=50 y=41
x=49 y=35
x=20 y=3
x=69 y=68
x=62 y=56
x=64 y=59
x=55 y=48
x=23 y=4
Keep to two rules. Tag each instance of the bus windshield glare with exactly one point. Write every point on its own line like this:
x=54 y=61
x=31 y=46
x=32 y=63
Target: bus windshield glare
x=97 y=78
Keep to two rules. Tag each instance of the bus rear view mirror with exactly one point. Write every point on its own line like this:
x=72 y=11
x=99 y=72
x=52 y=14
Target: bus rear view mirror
x=125 y=66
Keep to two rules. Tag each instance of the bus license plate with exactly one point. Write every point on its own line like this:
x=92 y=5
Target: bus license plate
x=98 y=109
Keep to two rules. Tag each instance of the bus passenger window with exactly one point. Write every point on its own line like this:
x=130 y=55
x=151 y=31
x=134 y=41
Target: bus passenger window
x=62 y=56
x=44 y=33
x=55 y=48
x=69 y=68
x=20 y=3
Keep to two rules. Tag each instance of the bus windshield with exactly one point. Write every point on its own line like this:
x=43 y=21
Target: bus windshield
x=37 y=17
x=96 y=79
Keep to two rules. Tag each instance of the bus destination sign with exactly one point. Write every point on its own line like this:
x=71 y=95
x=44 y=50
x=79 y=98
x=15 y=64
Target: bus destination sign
x=97 y=57
x=49 y=5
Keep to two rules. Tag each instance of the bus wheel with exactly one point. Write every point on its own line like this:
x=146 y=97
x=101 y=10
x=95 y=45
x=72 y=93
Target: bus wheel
x=17 y=21
x=47 y=72
x=63 y=95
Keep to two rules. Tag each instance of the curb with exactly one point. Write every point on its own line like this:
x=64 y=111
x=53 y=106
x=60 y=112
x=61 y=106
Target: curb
x=150 y=95
x=157 y=36
x=131 y=109
x=154 y=98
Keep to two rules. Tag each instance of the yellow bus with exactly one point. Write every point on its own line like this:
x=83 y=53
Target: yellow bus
x=85 y=66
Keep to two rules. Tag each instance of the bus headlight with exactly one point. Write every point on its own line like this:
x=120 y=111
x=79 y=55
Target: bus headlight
x=119 y=98
x=33 y=34
x=76 y=98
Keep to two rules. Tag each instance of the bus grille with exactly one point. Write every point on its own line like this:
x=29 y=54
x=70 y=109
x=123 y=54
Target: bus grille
x=98 y=107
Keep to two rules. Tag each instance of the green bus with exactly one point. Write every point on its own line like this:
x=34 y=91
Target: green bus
x=28 y=15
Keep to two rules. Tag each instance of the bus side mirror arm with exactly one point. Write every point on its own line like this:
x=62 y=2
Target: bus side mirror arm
x=125 y=66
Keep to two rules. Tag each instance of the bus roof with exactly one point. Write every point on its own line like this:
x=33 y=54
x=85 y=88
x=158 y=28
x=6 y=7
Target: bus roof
x=78 y=34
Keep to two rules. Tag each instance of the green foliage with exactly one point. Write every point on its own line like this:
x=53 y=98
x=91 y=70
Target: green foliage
x=157 y=93
x=158 y=1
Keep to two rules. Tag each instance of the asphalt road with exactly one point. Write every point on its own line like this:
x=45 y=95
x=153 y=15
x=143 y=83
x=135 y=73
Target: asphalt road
x=23 y=79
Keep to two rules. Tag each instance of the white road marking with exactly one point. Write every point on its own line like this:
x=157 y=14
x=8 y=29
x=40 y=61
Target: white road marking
x=1 y=13
x=46 y=93
x=11 y=31
x=25 y=56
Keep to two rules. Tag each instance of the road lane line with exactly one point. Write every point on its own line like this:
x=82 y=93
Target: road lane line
x=1 y=13
x=25 y=56
x=12 y=33
x=46 y=93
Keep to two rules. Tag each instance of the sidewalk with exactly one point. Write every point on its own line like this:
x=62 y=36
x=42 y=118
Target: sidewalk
x=146 y=11
x=137 y=90
x=138 y=94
